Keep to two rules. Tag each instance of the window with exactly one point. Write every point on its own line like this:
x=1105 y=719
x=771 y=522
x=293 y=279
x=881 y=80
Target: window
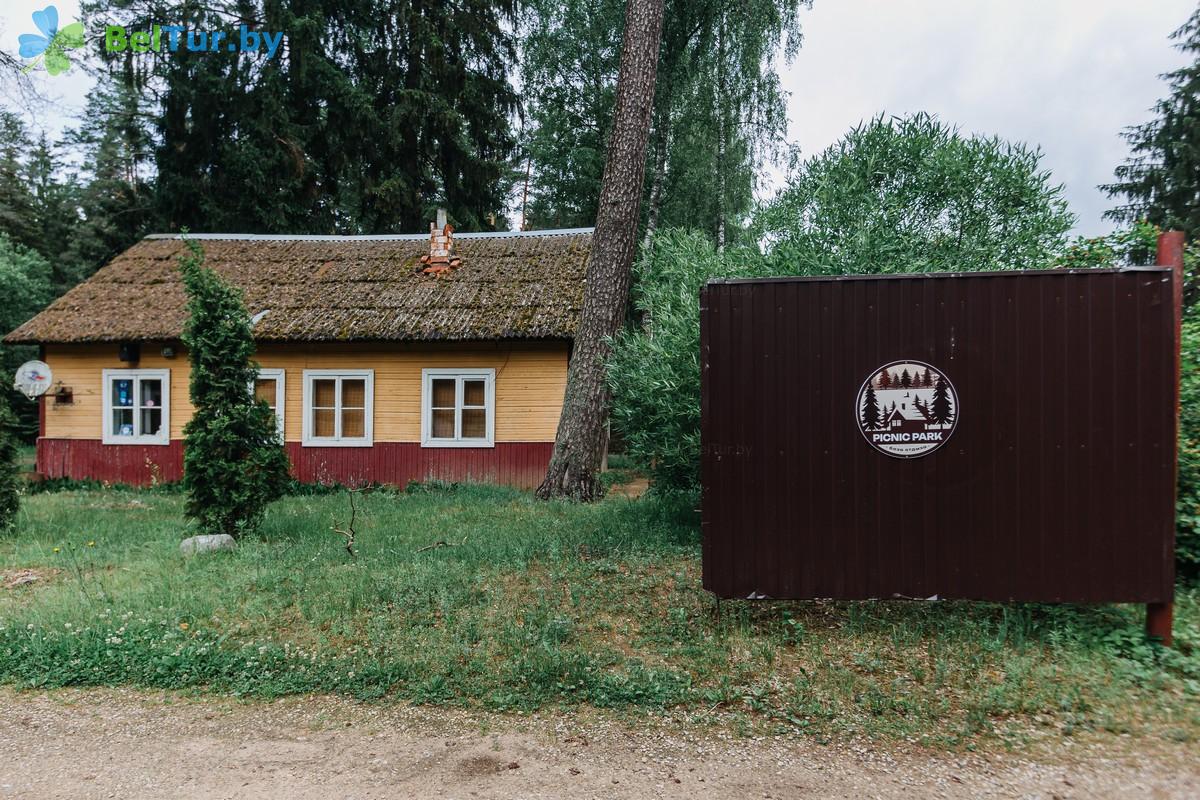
x=338 y=407
x=269 y=388
x=458 y=407
x=137 y=406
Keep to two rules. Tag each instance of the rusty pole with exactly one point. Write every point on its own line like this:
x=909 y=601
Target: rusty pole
x=1159 y=616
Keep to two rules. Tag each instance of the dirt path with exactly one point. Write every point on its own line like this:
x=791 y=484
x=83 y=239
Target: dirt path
x=102 y=744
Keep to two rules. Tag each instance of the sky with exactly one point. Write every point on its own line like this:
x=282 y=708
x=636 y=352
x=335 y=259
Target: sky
x=1066 y=75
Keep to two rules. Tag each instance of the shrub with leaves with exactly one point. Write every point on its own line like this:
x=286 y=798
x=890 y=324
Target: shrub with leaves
x=8 y=467
x=25 y=286
x=1133 y=246
x=913 y=194
x=654 y=372
x=1187 y=516
x=234 y=464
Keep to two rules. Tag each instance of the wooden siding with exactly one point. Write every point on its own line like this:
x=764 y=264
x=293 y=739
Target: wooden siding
x=519 y=464
x=530 y=382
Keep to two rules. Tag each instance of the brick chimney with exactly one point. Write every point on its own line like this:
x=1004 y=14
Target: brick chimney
x=441 y=256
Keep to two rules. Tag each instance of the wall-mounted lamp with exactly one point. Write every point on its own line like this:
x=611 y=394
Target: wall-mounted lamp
x=63 y=395
x=168 y=351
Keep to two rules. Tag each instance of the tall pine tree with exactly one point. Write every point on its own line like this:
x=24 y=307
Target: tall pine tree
x=942 y=413
x=719 y=112
x=371 y=115
x=1160 y=182
x=870 y=409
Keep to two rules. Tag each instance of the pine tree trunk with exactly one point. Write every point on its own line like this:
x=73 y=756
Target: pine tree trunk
x=579 y=444
x=722 y=91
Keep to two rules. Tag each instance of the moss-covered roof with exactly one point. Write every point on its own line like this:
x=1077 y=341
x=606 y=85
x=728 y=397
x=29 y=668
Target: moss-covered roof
x=509 y=286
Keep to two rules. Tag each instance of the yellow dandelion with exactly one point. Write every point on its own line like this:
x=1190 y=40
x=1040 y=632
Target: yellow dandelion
x=57 y=550
x=183 y=626
x=92 y=543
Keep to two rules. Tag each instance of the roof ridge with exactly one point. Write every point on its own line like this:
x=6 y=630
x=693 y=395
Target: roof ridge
x=384 y=237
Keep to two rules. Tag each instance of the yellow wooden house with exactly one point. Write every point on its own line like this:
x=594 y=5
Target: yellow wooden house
x=386 y=359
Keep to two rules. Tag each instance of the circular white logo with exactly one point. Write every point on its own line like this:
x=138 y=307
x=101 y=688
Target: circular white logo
x=33 y=379
x=906 y=409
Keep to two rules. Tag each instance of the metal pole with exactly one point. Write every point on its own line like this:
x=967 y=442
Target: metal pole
x=1159 y=616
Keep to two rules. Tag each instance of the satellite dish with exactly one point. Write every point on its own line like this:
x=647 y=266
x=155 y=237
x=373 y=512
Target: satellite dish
x=33 y=379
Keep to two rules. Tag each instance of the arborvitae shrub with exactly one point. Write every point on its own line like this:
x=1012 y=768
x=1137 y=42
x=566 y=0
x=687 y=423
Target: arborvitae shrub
x=234 y=464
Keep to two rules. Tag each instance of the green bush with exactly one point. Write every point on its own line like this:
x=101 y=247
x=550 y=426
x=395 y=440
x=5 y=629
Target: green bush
x=26 y=288
x=654 y=372
x=8 y=467
x=234 y=464
x=1187 y=543
x=913 y=194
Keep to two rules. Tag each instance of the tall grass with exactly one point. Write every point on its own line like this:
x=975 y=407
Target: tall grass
x=481 y=596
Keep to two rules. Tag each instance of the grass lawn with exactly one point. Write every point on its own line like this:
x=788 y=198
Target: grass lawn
x=553 y=604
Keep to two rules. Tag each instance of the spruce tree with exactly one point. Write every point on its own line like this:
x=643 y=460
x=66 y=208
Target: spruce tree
x=942 y=412
x=870 y=410
x=1161 y=180
x=234 y=463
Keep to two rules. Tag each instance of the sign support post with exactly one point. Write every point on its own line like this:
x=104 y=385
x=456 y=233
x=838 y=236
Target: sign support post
x=1159 y=616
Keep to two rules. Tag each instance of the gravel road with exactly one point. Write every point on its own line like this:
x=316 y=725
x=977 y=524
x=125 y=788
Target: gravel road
x=117 y=744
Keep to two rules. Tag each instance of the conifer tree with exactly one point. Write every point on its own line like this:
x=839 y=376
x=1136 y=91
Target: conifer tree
x=870 y=410
x=9 y=498
x=234 y=463
x=1160 y=181
x=942 y=412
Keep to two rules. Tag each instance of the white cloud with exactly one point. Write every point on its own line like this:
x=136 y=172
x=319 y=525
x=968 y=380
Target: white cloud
x=1066 y=75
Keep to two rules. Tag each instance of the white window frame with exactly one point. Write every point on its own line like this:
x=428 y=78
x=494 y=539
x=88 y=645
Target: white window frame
x=137 y=376
x=489 y=378
x=309 y=439
x=279 y=376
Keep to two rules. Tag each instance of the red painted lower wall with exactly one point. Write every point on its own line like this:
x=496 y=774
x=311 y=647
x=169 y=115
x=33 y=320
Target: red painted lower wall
x=520 y=464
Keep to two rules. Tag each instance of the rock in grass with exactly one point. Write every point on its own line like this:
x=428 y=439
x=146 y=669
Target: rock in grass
x=207 y=544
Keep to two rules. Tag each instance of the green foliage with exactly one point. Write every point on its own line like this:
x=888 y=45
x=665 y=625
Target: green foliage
x=555 y=606
x=705 y=92
x=1187 y=537
x=234 y=464
x=17 y=214
x=570 y=54
x=374 y=113
x=9 y=496
x=892 y=196
x=654 y=372
x=912 y=194
x=25 y=285
x=1160 y=180
x=25 y=281
x=1132 y=246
